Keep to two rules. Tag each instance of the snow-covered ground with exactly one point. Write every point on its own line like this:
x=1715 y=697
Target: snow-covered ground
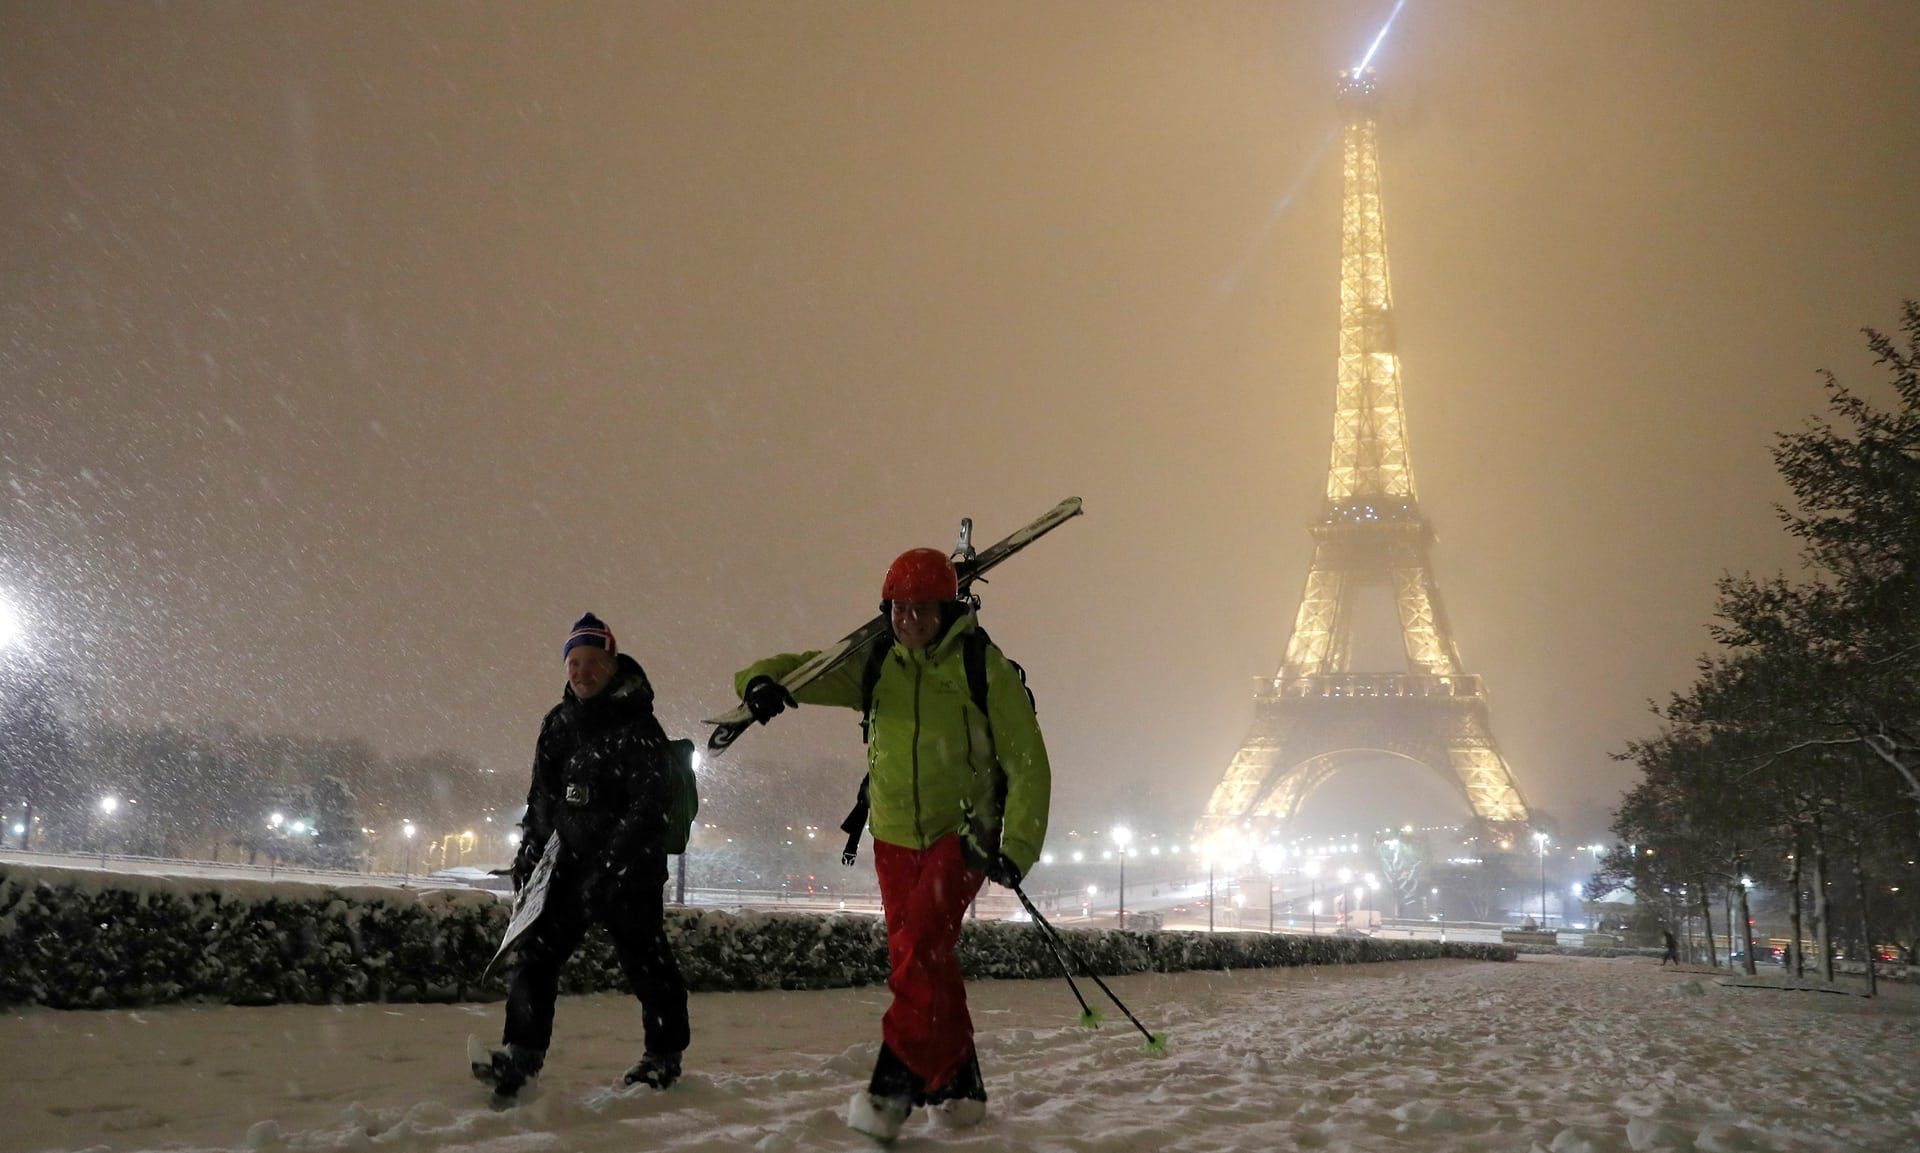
x=1568 y=1055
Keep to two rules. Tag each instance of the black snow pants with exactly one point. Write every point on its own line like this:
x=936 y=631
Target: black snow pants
x=633 y=909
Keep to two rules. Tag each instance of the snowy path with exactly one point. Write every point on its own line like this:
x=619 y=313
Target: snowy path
x=1550 y=1053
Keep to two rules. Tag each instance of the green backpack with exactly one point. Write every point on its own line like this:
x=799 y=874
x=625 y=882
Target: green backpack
x=683 y=795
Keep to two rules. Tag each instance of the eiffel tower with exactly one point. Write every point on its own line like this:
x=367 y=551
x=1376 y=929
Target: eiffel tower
x=1316 y=715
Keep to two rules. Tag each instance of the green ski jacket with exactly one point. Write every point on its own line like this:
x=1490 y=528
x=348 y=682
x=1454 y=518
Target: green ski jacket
x=931 y=749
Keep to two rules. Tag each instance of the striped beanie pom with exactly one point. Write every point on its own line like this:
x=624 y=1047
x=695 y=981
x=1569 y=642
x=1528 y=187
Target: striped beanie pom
x=589 y=630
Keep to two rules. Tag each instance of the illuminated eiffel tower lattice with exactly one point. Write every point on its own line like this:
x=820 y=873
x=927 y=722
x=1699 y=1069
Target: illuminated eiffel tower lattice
x=1317 y=715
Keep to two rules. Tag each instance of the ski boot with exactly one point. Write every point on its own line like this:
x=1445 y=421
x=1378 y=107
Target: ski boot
x=658 y=1070
x=891 y=1094
x=962 y=1101
x=507 y=1068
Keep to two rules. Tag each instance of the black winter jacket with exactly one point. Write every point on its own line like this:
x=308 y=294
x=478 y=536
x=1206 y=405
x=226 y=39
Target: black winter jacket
x=600 y=778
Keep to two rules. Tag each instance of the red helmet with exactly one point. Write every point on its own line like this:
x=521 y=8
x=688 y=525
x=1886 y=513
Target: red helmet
x=921 y=574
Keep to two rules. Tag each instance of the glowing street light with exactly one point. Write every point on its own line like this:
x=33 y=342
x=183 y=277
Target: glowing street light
x=1313 y=896
x=108 y=804
x=407 y=831
x=1541 y=840
x=1122 y=837
x=1270 y=858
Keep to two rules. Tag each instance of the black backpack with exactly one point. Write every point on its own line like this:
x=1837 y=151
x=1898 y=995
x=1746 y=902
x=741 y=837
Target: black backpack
x=973 y=655
x=683 y=795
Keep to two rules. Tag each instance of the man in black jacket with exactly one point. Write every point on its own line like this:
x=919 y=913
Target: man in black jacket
x=599 y=784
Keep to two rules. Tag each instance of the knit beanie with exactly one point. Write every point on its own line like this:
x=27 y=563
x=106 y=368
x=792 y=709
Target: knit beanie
x=590 y=630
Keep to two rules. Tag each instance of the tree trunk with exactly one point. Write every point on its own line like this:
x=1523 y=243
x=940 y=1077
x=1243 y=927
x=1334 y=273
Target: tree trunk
x=1822 y=930
x=1796 y=957
x=1706 y=920
x=1866 y=923
x=1727 y=897
x=1746 y=924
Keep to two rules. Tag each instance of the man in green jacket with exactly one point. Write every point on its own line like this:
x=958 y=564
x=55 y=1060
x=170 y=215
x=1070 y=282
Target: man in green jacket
x=933 y=759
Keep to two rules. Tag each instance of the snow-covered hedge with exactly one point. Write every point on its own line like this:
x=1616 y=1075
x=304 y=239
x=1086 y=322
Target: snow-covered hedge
x=84 y=939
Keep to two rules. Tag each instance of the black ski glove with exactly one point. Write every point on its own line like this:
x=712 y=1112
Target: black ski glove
x=1003 y=872
x=767 y=698
x=524 y=860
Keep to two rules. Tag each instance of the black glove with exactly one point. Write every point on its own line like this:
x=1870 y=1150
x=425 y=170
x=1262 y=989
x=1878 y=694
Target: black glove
x=524 y=860
x=767 y=698
x=1003 y=872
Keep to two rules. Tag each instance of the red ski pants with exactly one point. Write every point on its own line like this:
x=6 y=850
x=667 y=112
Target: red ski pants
x=925 y=893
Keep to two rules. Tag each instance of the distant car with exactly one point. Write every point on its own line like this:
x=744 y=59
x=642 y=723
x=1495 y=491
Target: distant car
x=1350 y=931
x=1179 y=909
x=473 y=878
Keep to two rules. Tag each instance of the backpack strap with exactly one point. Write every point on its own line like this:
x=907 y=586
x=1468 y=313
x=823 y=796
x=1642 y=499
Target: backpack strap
x=973 y=654
x=869 y=677
x=856 y=822
x=854 y=825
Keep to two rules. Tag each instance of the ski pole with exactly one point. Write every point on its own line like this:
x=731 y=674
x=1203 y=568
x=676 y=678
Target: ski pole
x=1087 y=1015
x=1155 y=1043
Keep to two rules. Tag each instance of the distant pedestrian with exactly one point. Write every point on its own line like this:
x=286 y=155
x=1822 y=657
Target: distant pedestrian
x=1673 y=949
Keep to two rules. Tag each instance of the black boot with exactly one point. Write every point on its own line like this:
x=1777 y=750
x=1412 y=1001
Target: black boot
x=891 y=1095
x=656 y=1069
x=509 y=1068
x=962 y=1101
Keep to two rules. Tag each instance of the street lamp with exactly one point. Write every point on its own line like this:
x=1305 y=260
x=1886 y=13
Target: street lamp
x=406 y=831
x=108 y=805
x=1122 y=837
x=1313 y=896
x=1270 y=858
x=1541 y=840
